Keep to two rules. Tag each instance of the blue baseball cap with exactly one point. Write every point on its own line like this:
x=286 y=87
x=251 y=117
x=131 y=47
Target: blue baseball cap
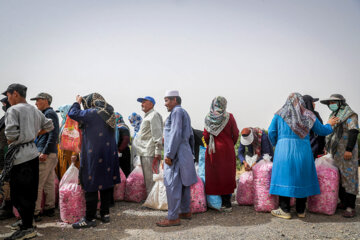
x=146 y=98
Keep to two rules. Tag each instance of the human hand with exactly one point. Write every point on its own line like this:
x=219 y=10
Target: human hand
x=333 y=120
x=79 y=99
x=43 y=157
x=155 y=164
x=347 y=155
x=168 y=161
x=247 y=166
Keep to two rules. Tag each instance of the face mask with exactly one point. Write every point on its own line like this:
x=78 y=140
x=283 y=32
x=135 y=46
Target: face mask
x=333 y=107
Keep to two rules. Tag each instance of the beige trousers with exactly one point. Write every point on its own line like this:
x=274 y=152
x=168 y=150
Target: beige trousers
x=146 y=165
x=46 y=183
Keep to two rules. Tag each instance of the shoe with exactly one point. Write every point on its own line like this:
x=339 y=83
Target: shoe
x=17 y=225
x=49 y=212
x=226 y=209
x=341 y=206
x=301 y=215
x=168 y=223
x=83 y=223
x=37 y=218
x=186 y=216
x=23 y=234
x=349 y=213
x=105 y=218
x=280 y=213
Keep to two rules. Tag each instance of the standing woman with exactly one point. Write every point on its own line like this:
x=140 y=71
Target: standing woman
x=99 y=164
x=220 y=134
x=293 y=172
x=122 y=141
x=317 y=142
x=135 y=121
x=342 y=144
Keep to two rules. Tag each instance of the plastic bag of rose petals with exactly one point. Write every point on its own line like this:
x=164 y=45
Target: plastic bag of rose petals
x=157 y=198
x=119 y=189
x=245 y=189
x=71 y=197
x=328 y=176
x=135 y=190
x=263 y=201
x=197 y=197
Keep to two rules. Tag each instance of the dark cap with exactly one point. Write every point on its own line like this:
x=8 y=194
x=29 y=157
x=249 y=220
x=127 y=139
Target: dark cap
x=21 y=89
x=333 y=97
x=43 y=96
x=310 y=98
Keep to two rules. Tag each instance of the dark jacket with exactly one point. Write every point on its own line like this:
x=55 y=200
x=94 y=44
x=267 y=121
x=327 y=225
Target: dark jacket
x=47 y=143
x=266 y=148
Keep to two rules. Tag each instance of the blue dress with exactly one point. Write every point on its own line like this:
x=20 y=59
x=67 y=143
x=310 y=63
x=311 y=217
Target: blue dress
x=293 y=173
x=99 y=164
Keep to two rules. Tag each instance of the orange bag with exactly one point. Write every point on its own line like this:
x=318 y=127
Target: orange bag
x=71 y=136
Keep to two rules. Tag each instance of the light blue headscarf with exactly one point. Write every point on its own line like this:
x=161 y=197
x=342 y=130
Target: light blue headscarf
x=63 y=113
x=135 y=121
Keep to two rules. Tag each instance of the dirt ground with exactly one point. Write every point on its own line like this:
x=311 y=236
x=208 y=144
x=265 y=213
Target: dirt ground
x=132 y=221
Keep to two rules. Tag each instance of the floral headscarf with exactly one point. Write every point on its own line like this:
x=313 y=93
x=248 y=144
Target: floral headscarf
x=105 y=110
x=119 y=124
x=295 y=114
x=216 y=119
x=135 y=121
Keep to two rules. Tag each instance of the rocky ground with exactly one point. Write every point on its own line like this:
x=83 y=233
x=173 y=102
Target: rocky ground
x=132 y=221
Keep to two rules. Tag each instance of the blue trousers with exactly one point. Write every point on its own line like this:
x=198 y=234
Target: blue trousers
x=178 y=197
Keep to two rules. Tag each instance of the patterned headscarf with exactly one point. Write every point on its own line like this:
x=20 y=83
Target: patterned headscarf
x=64 y=109
x=135 y=121
x=119 y=124
x=105 y=110
x=216 y=119
x=295 y=114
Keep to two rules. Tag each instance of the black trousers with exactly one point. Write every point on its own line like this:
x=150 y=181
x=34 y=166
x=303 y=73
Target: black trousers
x=226 y=200
x=347 y=199
x=284 y=203
x=24 y=182
x=125 y=161
x=91 y=199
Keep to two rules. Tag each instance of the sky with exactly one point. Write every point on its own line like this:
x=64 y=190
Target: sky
x=254 y=53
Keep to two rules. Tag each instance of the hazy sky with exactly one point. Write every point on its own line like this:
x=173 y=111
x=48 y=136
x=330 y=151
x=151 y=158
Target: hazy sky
x=253 y=52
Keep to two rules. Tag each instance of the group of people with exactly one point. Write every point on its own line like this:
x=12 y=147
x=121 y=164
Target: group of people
x=30 y=153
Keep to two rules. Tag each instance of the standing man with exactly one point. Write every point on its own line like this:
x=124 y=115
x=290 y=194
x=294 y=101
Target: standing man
x=23 y=122
x=179 y=170
x=47 y=146
x=149 y=140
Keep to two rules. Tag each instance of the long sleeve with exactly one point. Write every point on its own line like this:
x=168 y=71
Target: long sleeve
x=156 y=126
x=234 y=129
x=321 y=130
x=79 y=115
x=273 y=131
x=124 y=138
x=266 y=147
x=175 y=136
x=241 y=153
x=353 y=126
x=192 y=143
x=53 y=135
x=12 y=126
x=206 y=135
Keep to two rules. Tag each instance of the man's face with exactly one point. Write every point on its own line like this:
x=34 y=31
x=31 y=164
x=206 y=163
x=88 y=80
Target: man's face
x=12 y=97
x=170 y=104
x=146 y=105
x=41 y=104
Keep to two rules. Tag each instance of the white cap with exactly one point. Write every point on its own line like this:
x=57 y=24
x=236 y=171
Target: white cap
x=172 y=93
x=248 y=139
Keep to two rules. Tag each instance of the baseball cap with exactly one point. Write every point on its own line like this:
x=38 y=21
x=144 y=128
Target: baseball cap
x=43 y=96
x=21 y=89
x=146 y=98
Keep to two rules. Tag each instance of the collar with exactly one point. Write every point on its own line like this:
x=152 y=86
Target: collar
x=150 y=111
x=46 y=109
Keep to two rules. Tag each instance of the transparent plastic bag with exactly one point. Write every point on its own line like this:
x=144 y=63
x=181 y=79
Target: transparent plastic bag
x=197 y=197
x=135 y=190
x=263 y=201
x=119 y=189
x=328 y=176
x=245 y=189
x=71 y=197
